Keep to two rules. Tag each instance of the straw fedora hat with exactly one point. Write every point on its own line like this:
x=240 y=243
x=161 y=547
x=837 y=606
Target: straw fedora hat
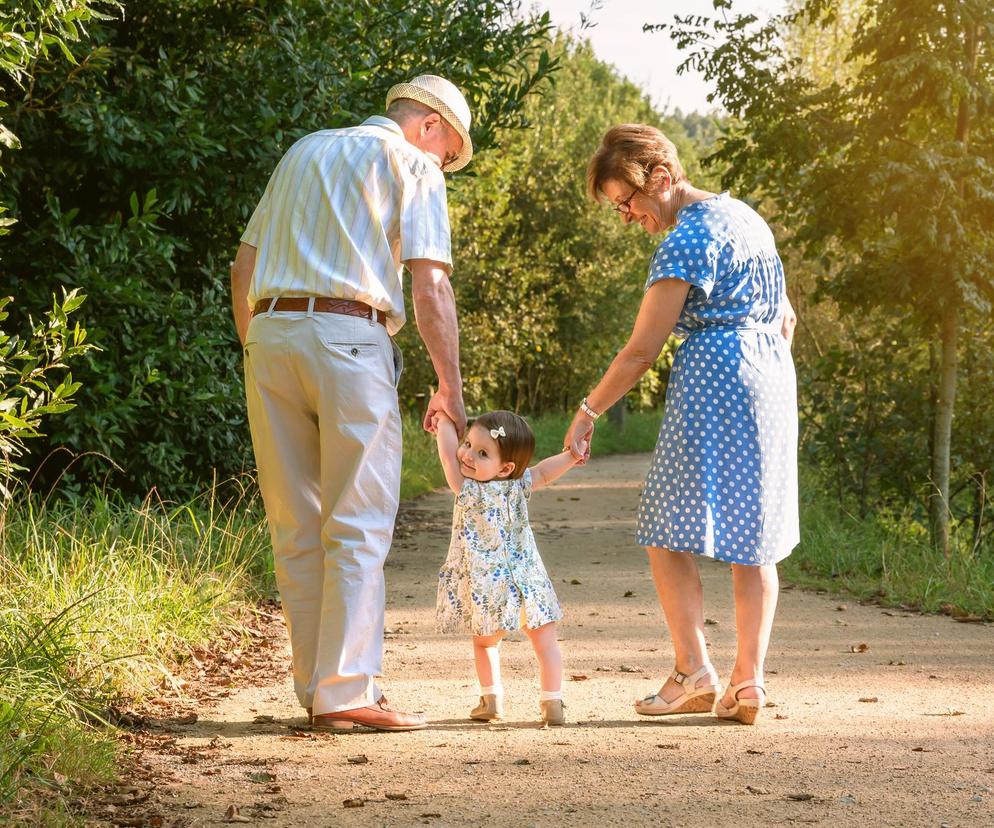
x=445 y=98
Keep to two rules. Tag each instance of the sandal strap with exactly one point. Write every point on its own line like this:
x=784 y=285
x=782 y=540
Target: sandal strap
x=742 y=685
x=689 y=682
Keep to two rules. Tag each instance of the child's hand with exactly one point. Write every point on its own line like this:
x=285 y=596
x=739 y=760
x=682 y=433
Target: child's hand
x=584 y=446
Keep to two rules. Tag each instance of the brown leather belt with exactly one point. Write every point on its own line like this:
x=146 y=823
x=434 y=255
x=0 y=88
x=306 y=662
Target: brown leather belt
x=322 y=304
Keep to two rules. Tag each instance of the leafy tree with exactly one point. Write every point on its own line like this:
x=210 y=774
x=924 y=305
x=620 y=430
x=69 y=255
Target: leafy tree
x=548 y=283
x=140 y=169
x=884 y=173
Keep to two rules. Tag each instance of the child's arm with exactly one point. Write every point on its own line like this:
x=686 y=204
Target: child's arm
x=447 y=441
x=552 y=468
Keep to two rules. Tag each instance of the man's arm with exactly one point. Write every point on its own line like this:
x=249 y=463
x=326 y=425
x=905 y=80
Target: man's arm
x=241 y=278
x=435 y=314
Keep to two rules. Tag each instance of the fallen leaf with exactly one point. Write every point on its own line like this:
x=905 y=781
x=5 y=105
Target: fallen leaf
x=521 y=762
x=629 y=594
x=921 y=750
x=868 y=699
x=754 y=752
x=232 y=815
x=579 y=677
x=264 y=720
x=575 y=582
x=859 y=648
x=188 y=719
x=432 y=815
x=947 y=713
x=711 y=622
x=841 y=608
x=897 y=664
x=669 y=746
x=779 y=716
x=602 y=669
x=757 y=791
x=628 y=668
x=361 y=759
x=397 y=797
x=354 y=803
x=800 y=797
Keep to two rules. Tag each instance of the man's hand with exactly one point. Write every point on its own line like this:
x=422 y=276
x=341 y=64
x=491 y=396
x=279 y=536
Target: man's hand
x=241 y=276
x=448 y=404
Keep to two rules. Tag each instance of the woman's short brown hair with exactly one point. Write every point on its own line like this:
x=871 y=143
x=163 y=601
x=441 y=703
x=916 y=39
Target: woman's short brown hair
x=518 y=444
x=629 y=152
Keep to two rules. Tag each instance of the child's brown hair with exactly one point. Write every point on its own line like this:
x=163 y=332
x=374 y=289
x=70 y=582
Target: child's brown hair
x=517 y=445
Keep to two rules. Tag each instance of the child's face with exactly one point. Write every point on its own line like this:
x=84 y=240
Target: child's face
x=479 y=456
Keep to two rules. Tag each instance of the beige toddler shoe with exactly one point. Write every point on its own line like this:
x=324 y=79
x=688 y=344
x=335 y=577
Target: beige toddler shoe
x=490 y=709
x=553 y=712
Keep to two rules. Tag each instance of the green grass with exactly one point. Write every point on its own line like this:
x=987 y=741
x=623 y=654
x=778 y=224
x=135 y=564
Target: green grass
x=101 y=599
x=885 y=557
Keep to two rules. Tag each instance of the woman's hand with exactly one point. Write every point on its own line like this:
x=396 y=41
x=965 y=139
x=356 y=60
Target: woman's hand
x=579 y=436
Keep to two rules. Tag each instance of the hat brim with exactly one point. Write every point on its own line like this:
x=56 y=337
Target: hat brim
x=416 y=93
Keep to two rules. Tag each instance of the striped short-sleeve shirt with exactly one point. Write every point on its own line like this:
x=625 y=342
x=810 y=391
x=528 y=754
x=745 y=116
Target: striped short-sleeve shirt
x=342 y=213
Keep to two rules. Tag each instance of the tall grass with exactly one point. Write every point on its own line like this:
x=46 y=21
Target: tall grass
x=886 y=556
x=101 y=599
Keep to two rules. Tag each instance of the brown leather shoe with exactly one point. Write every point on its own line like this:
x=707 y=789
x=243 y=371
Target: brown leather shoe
x=379 y=716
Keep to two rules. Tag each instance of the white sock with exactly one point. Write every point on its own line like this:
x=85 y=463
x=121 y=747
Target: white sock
x=550 y=695
x=492 y=690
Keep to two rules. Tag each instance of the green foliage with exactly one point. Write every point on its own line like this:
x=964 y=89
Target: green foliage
x=547 y=283
x=35 y=380
x=140 y=169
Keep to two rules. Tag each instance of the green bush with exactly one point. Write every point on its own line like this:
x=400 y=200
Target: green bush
x=139 y=170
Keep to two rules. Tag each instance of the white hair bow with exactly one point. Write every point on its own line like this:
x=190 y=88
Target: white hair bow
x=497 y=432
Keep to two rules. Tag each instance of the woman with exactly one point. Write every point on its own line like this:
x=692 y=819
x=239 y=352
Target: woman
x=723 y=481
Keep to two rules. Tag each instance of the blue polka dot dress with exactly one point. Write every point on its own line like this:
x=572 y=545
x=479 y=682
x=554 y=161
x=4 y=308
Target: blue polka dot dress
x=723 y=481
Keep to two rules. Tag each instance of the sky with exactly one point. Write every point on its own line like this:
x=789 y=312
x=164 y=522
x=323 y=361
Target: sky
x=649 y=60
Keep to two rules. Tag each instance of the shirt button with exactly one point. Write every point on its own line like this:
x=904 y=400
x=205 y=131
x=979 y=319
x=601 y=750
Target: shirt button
x=355 y=352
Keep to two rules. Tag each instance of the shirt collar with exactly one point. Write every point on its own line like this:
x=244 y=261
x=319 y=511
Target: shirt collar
x=386 y=123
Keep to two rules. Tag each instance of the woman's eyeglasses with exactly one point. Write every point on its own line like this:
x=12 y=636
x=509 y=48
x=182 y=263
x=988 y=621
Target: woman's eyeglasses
x=626 y=205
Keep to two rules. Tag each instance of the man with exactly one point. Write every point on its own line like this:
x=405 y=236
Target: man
x=317 y=292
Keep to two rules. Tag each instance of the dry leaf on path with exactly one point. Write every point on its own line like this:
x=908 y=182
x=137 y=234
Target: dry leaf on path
x=521 y=762
x=947 y=713
x=757 y=791
x=264 y=720
x=361 y=759
x=629 y=594
x=232 y=815
x=859 y=648
x=800 y=797
x=354 y=803
x=578 y=677
x=397 y=797
x=868 y=699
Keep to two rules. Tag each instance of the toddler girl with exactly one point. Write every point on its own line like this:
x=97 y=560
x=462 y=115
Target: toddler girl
x=493 y=579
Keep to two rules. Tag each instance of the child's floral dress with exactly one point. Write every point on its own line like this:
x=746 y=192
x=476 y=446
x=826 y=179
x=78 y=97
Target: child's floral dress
x=493 y=578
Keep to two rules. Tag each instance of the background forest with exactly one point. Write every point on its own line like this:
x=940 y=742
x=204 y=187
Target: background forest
x=135 y=139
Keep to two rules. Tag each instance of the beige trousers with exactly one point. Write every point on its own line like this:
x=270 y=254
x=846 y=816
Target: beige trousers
x=322 y=406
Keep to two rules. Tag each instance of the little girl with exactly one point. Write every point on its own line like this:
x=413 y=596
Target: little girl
x=493 y=579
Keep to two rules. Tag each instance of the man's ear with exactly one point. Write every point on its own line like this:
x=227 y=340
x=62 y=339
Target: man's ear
x=506 y=470
x=430 y=122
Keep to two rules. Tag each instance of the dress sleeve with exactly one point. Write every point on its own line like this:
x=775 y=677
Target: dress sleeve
x=469 y=493
x=526 y=483
x=424 y=218
x=688 y=253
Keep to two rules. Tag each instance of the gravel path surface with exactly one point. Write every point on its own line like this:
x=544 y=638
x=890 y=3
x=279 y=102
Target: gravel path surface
x=877 y=717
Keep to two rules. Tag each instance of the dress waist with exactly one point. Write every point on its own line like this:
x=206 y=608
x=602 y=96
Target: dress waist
x=745 y=325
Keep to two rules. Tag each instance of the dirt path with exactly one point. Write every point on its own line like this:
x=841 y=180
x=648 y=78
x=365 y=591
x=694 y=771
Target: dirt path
x=901 y=734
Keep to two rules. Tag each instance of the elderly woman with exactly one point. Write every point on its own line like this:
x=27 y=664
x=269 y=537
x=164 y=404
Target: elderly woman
x=723 y=481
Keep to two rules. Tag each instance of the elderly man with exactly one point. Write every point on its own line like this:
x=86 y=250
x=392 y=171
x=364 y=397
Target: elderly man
x=317 y=289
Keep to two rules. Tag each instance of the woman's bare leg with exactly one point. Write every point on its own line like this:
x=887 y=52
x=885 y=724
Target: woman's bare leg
x=756 y=589
x=678 y=584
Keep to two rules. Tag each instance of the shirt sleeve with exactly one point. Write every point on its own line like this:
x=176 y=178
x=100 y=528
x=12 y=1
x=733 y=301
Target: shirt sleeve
x=688 y=254
x=469 y=493
x=424 y=219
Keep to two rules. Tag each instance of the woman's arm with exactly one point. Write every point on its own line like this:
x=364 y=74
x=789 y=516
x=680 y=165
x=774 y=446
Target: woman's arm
x=658 y=314
x=552 y=468
x=447 y=442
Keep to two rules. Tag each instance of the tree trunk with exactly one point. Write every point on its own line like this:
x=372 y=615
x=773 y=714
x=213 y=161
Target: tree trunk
x=942 y=436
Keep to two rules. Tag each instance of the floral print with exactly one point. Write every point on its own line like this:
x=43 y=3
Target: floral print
x=493 y=578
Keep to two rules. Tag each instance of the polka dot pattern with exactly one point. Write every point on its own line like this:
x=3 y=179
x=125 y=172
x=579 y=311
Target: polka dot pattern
x=723 y=481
